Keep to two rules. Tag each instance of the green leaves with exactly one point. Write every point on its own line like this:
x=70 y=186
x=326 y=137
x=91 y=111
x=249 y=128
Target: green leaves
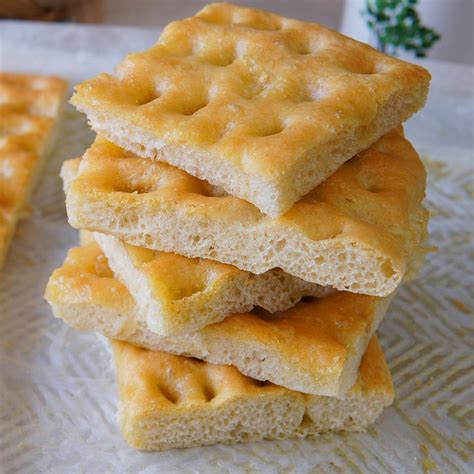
x=396 y=24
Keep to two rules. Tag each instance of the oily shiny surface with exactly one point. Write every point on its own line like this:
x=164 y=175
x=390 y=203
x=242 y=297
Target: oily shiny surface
x=250 y=86
x=425 y=334
x=86 y=276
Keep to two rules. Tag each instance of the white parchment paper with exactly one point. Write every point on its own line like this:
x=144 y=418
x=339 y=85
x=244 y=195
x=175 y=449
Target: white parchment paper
x=57 y=390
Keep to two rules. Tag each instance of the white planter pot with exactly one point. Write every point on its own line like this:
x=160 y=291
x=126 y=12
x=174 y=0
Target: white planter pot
x=452 y=18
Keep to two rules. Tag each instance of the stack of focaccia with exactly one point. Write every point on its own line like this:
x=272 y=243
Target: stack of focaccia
x=247 y=211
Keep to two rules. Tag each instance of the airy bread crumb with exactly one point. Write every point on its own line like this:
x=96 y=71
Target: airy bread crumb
x=178 y=295
x=357 y=231
x=314 y=347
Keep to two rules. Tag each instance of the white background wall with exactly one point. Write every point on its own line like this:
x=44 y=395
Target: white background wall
x=453 y=18
x=161 y=12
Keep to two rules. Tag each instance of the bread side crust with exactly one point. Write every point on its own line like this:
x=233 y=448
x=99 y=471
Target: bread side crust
x=169 y=402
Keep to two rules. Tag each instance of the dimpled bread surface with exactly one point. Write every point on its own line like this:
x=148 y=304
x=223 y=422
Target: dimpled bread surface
x=360 y=230
x=29 y=109
x=167 y=401
x=314 y=347
x=264 y=106
x=177 y=294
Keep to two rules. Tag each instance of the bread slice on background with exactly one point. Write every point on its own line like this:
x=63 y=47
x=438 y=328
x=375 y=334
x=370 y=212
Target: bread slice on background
x=30 y=108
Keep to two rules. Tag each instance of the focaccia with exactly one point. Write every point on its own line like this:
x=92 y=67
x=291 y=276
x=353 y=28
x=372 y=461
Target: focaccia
x=177 y=294
x=30 y=106
x=264 y=106
x=360 y=230
x=314 y=347
x=167 y=401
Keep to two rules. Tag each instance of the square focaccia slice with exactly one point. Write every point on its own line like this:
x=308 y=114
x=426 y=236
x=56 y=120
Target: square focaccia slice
x=315 y=347
x=265 y=107
x=178 y=294
x=361 y=230
x=167 y=401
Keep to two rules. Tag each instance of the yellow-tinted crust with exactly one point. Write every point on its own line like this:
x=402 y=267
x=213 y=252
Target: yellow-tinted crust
x=29 y=108
x=148 y=379
x=156 y=385
x=157 y=381
x=174 y=276
x=374 y=373
x=320 y=336
x=86 y=277
x=265 y=96
x=371 y=204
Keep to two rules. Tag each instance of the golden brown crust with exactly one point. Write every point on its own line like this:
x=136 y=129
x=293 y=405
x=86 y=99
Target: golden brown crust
x=357 y=230
x=150 y=381
x=264 y=106
x=32 y=95
x=86 y=276
x=155 y=387
x=152 y=369
x=30 y=106
x=374 y=373
x=178 y=295
x=314 y=347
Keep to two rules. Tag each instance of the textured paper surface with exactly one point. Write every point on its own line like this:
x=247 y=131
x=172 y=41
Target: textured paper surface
x=57 y=390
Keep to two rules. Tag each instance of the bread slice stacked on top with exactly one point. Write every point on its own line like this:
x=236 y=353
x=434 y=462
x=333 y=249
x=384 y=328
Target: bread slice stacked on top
x=247 y=211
